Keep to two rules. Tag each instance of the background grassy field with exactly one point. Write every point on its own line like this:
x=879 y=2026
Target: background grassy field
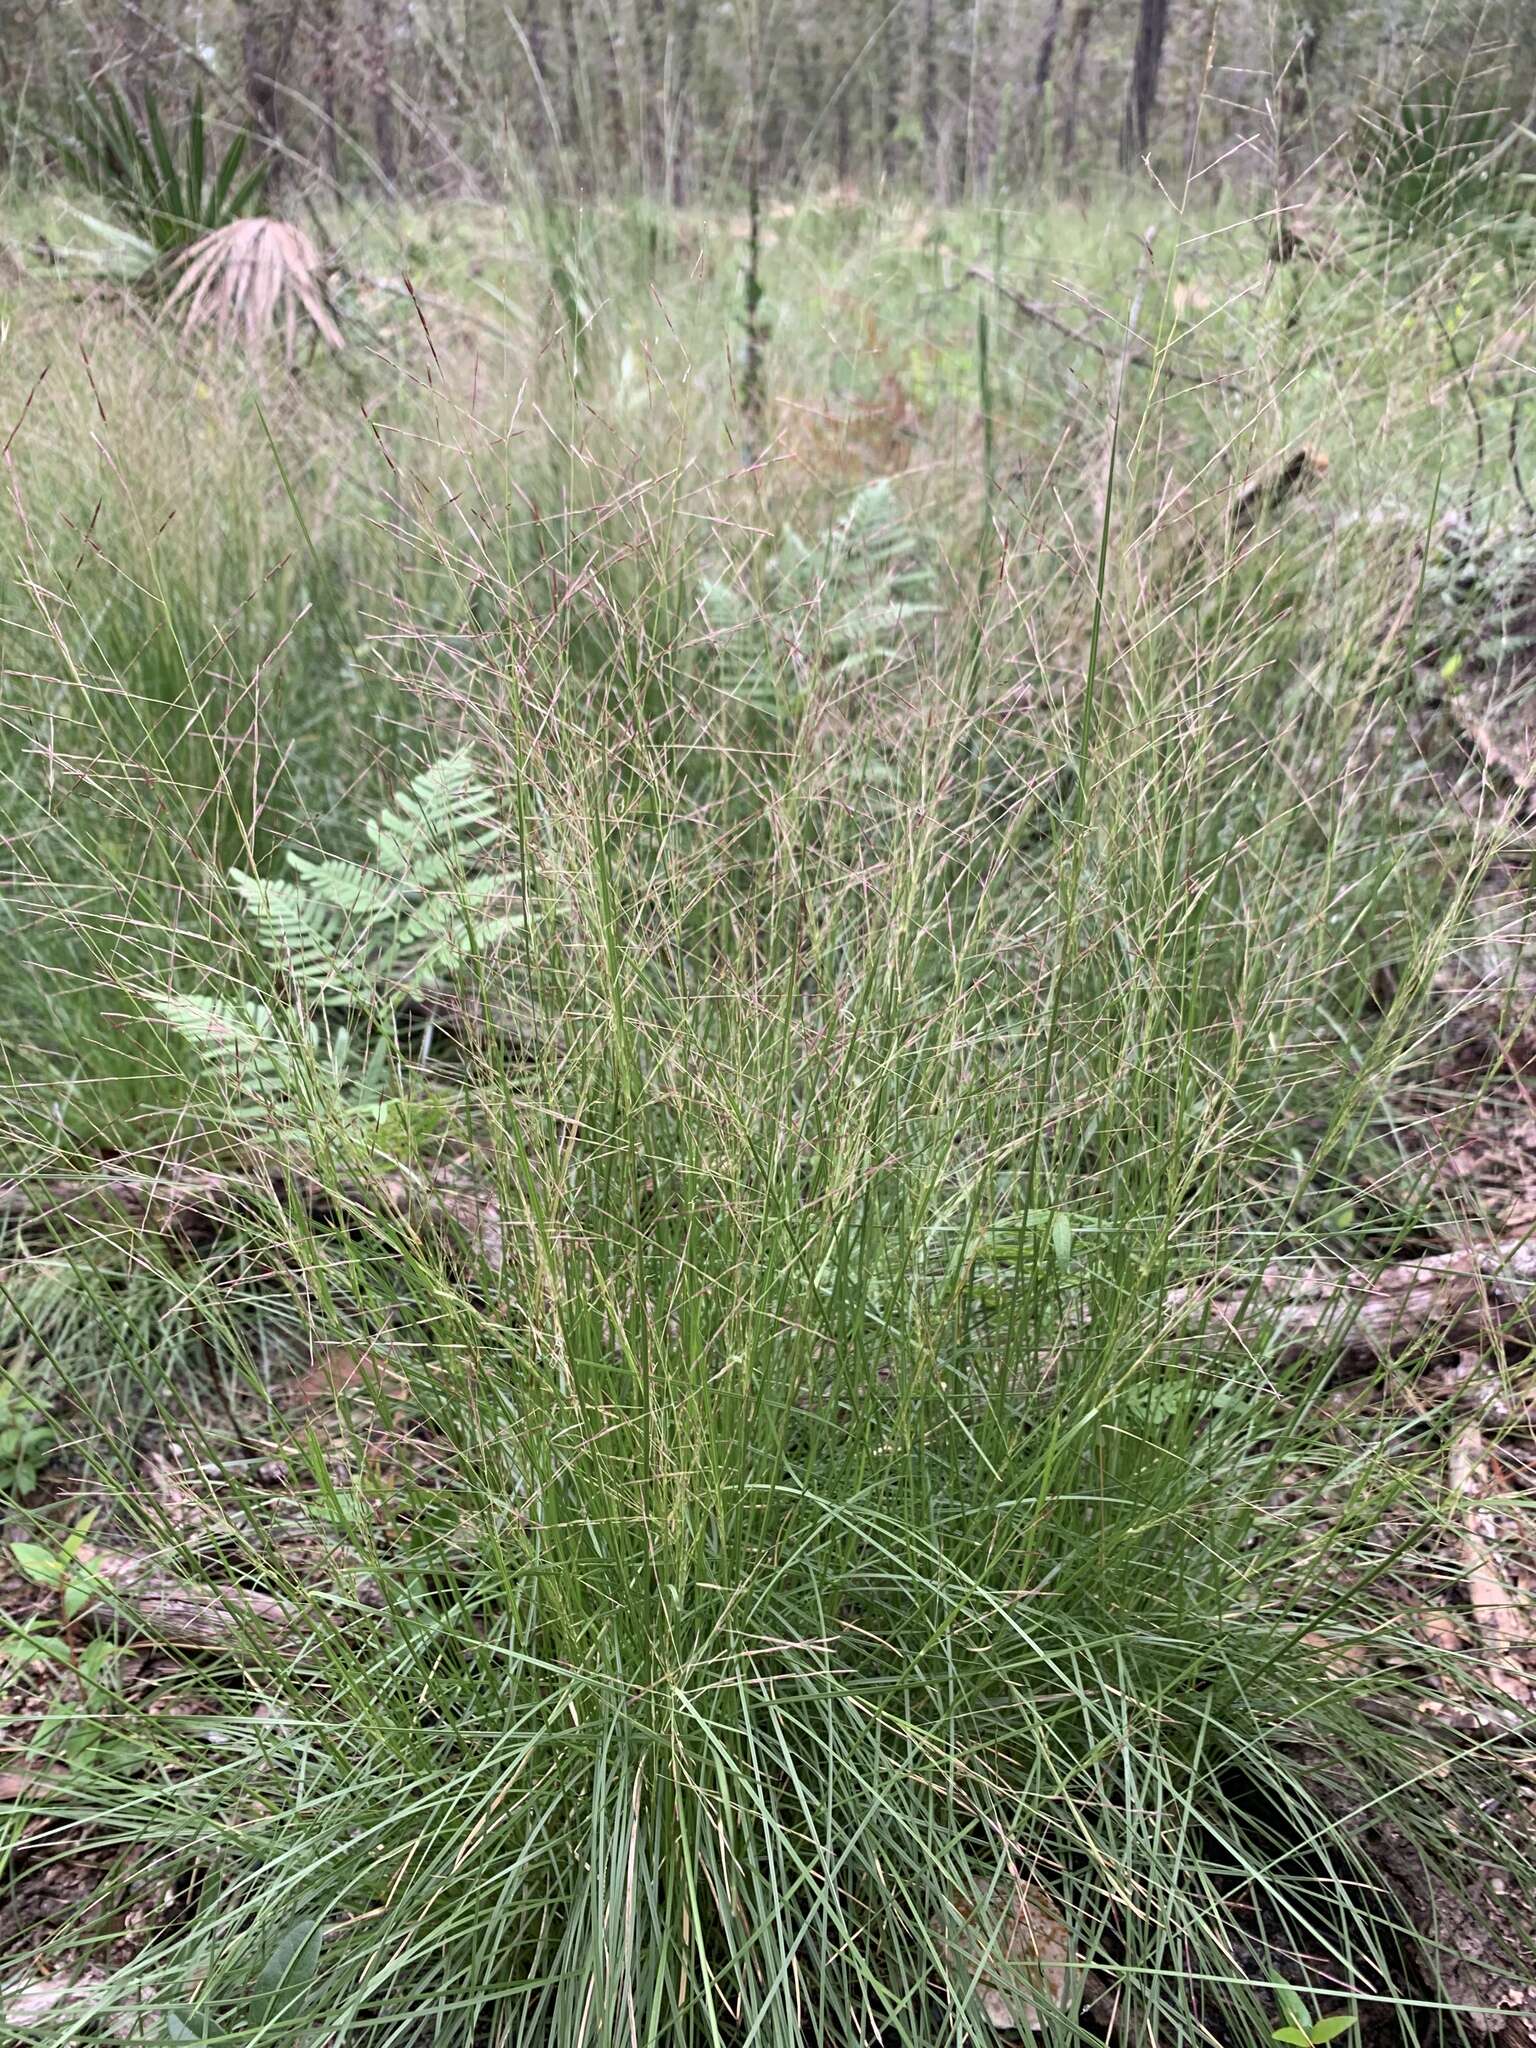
x=711 y=1458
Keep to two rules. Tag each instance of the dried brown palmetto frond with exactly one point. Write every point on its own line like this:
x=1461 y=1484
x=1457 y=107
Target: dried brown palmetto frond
x=249 y=276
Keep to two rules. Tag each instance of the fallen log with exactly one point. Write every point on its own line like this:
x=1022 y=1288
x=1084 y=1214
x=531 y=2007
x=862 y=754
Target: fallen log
x=169 y=1610
x=176 y=1200
x=33 y=2001
x=198 y=1205
x=1448 y=1300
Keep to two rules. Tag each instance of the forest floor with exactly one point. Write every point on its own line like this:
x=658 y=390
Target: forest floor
x=768 y=1198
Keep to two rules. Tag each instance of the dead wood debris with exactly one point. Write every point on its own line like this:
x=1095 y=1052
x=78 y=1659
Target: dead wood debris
x=44 y=2002
x=33 y=1783
x=172 y=1201
x=1275 y=485
x=1446 y=1300
x=1013 y=1941
x=30 y=2003
x=171 y=1611
x=1502 y=1620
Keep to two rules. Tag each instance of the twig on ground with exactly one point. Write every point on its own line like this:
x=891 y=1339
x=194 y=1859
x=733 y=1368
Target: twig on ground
x=1500 y=1621
x=1143 y=360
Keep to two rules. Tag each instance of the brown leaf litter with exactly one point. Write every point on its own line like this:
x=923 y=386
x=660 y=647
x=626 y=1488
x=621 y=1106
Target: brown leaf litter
x=1012 y=1940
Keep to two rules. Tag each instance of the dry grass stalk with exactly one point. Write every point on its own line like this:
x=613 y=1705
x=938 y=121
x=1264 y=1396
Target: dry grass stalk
x=247 y=276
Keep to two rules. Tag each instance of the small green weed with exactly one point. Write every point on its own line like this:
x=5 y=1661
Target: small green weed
x=1300 y=2029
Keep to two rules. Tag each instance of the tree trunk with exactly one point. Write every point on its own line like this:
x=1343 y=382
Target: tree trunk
x=328 y=64
x=1039 y=80
x=1045 y=56
x=1295 y=98
x=1082 y=27
x=1141 y=100
x=890 y=115
x=137 y=64
x=930 y=99
x=264 y=58
x=573 y=73
x=653 y=86
x=972 y=140
x=682 y=80
x=1198 y=88
x=810 y=92
x=533 y=32
x=752 y=358
x=381 y=92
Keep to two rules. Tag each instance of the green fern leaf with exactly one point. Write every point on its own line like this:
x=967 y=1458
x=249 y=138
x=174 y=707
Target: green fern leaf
x=444 y=810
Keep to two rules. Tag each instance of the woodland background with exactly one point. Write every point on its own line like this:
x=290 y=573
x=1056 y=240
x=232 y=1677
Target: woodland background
x=676 y=98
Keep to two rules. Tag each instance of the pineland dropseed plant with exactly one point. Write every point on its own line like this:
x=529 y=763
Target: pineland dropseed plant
x=764 y=1280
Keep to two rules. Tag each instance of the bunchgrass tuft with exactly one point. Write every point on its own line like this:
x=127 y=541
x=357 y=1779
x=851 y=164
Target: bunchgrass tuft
x=655 y=1295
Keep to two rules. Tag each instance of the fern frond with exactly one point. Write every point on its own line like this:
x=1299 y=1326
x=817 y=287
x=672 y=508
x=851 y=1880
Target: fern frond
x=453 y=948
x=355 y=892
x=463 y=907
x=444 y=815
x=301 y=933
x=256 y=1056
x=355 y=940
x=848 y=597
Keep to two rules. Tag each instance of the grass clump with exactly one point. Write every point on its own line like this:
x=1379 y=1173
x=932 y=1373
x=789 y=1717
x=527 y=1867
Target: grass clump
x=731 y=1404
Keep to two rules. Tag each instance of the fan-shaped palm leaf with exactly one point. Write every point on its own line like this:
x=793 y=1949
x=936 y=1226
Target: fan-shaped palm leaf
x=246 y=277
